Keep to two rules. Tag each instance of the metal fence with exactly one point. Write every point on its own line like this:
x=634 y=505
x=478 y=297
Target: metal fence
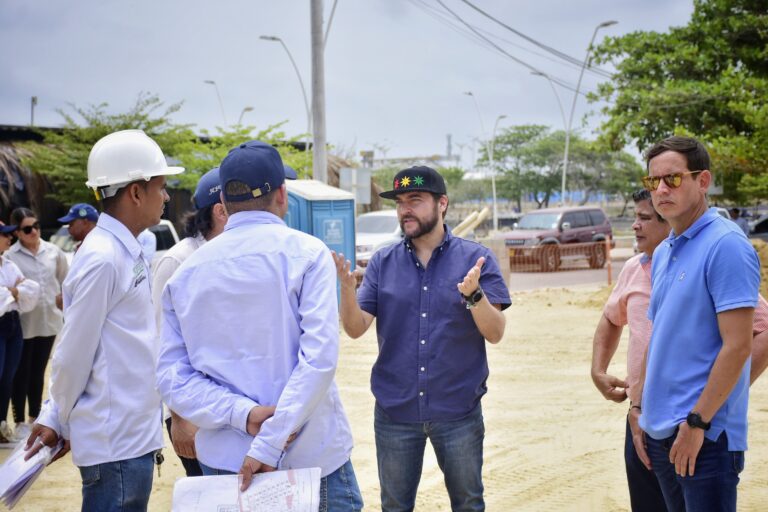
x=554 y=257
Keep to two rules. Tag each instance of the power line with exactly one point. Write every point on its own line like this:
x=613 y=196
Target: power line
x=553 y=51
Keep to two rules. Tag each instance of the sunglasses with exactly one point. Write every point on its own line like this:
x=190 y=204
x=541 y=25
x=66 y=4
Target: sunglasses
x=28 y=229
x=673 y=180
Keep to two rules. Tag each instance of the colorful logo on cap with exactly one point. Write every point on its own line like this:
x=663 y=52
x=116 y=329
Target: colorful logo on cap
x=82 y=213
x=406 y=181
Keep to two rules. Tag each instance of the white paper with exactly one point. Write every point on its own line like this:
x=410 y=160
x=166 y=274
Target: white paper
x=18 y=475
x=293 y=490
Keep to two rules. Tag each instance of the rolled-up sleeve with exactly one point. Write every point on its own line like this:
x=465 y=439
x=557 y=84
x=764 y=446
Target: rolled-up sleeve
x=317 y=358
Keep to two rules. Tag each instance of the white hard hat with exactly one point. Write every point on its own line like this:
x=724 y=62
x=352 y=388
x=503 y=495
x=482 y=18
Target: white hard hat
x=122 y=157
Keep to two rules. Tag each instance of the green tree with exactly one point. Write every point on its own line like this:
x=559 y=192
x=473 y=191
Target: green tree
x=200 y=154
x=63 y=155
x=708 y=79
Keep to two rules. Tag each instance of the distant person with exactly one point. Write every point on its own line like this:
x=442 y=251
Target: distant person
x=102 y=396
x=204 y=223
x=16 y=294
x=705 y=278
x=81 y=219
x=436 y=299
x=628 y=305
x=46 y=264
x=739 y=220
x=250 y=339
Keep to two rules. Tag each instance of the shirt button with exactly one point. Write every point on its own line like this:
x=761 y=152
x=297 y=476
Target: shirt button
x=425 y=288
x=423 y=342
x=422 y=368
x=423 y=315
x=418 y=265
x=421 y=393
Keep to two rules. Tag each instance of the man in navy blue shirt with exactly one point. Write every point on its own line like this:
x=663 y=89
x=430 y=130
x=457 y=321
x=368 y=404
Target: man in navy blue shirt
x=436 y=298
x=705 y=279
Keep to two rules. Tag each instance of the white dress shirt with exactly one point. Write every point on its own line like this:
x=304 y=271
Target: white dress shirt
x=252 y=318
x=29 y=290
x=102 y=394
x=48 y=268
x=167 y=265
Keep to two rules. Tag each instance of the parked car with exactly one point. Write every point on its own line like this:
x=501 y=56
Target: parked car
x=373 y=231
x=539 y=234
x=165 y=234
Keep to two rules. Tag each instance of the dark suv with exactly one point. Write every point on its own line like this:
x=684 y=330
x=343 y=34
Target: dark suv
x=542 y=237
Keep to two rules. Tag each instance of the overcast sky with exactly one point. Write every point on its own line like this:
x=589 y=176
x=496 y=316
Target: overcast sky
x=395 y=70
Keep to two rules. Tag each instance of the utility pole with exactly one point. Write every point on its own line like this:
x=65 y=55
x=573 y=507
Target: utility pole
x=33 y=102
x=319 y=155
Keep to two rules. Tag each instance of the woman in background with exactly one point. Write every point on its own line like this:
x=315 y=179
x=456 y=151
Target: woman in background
x=45 y=263
x=16 y=294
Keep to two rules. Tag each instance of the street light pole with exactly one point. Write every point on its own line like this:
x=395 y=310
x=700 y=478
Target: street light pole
x=301 y=83
x=557 y=96
x=493 y=171
x=489 y=147
x=33 y=102
x=221 y=103
x=573 y=105
x=242 y=113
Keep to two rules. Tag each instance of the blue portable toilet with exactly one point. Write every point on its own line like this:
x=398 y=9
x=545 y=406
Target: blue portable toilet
x=325 y=212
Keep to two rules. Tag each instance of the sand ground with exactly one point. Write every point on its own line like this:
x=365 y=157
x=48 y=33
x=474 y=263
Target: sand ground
x=552 y=442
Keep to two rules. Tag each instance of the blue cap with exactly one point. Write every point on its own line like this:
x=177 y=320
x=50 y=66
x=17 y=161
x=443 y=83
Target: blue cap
x=207 y=191
x=80 y=211
x=256 y=164
x=7 y=229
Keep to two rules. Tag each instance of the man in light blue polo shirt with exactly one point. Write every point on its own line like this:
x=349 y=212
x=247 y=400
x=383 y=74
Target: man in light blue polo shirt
x=705 y=279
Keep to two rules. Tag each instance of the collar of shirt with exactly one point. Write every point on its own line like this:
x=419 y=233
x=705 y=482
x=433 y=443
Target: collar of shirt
x=17 y=247
x=447 y=237
x=709 y=216
x=252 y=216
x=119 y=231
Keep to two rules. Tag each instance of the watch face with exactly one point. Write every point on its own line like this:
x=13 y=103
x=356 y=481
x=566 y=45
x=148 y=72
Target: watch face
x=477 y=296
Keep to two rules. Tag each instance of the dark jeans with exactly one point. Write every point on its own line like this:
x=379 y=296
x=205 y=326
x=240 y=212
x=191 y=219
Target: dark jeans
x=10 y=353
x=191 y=466
x=28 y=382
x=339 y=491
x=458 y=448
x=121 y=486
x=644 y=489
x=713 y=486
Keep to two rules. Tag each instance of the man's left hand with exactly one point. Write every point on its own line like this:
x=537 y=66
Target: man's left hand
x=685 y=449
x=249 y=468
x=471 y=281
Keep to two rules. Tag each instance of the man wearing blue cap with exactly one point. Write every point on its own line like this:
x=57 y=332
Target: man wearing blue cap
x=204 y=223
x=436 y=299
x=249 y=352
x=81 y=218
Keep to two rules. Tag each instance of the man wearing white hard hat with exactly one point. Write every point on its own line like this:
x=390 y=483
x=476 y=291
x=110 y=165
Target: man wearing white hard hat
x=101 y=400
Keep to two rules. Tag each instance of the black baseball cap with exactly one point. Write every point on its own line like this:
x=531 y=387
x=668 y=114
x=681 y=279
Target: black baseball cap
x=416 y=179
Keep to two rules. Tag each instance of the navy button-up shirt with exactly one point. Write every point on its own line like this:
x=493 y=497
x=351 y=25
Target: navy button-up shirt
x=432 y=364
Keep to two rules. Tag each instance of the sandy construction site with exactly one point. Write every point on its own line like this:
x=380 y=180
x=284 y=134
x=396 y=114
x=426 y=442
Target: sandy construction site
x=552 y=442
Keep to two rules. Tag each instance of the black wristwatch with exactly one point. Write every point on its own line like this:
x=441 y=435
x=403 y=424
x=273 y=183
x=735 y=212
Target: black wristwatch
x=473 y=298
x=694 y=420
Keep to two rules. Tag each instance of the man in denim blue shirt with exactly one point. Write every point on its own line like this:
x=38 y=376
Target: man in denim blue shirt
x=705 y=280
x=436 y=298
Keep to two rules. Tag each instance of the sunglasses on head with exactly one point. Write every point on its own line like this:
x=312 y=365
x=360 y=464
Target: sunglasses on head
x=28 y=229
x=673 y=180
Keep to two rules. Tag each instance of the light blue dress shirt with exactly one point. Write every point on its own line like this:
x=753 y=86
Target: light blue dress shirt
x=102 y=395
x=708 y=269
x=251 y=318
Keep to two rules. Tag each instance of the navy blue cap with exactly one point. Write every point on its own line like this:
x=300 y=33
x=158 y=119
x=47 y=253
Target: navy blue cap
x=207 y=191
x=290 y=174
x=80 y=211
x=416 y=179
x=7 y=229
x=256 y=164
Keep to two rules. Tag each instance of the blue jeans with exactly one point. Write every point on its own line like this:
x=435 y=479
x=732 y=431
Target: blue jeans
x=458 y=448
x=121 y=486
x=11 y=344
x=644 y=491
x=339 y=491
x=713 y=486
